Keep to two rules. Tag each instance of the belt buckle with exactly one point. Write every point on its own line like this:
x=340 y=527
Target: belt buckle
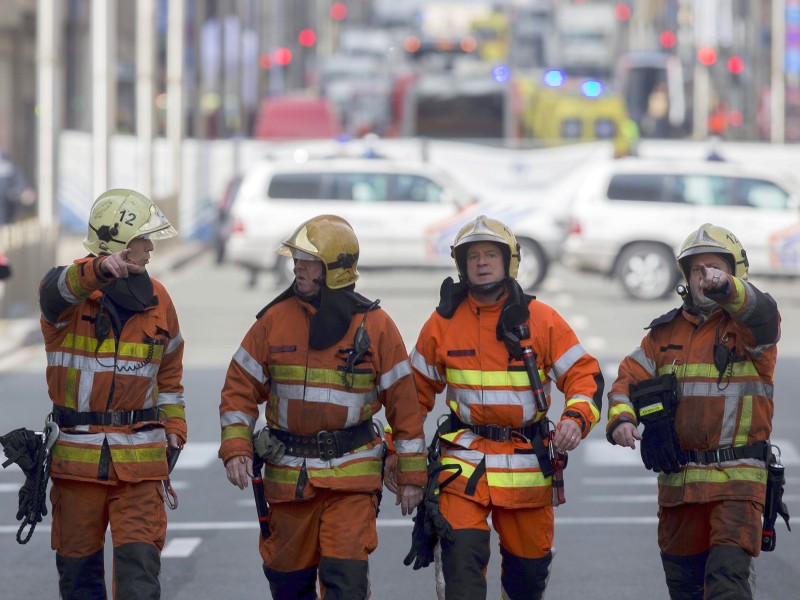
x=326 y=444
x=116 y=418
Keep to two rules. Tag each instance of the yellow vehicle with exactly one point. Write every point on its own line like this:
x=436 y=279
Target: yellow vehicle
x=567 y=113
x=491 y=33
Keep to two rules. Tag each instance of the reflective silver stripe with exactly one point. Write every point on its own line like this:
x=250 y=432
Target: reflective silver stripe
x=734 y=389
x=397 y=372
x=171 y=398
x=85 y=390
x=581 y=398
x=250 y=365
x=729 y=422
x=470 y=456
x=101 y=365
x=60 y=325
x=488 y=397
x=512 y=462
x=566 y=360
x=423 y=367
x=753 y=462
x=174 y=343
x=151 y=391
x=235 y=417
x=640 y=357
x=142 y=436
x=621 y=399
x=758 y=351
x=354 y=402
x=63 y=288
x=409 y=446
x=93 y=439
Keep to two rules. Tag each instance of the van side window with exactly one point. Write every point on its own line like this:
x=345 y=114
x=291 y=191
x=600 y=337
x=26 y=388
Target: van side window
x=360 y=187
x=760 y=194
x=413 y=188
x=642 y=187
x=295 y=186
x=705 y=190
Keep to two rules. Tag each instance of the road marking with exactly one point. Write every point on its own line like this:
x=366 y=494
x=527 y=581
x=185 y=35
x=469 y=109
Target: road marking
x=198 y=455
x=651 y=480
x=180 y=547
x=9 y=487
x=599 y=453
x=621 y=498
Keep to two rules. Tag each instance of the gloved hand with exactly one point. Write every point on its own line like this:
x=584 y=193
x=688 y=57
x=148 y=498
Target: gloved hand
x=423 y=541
x=656 y=401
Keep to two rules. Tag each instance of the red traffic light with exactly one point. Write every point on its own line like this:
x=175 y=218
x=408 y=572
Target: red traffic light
x=338 y=11
x=307 y=38
x=667 y=39
x=707 y=56
x=282 y=56
x=735 y=65
x=622 y=11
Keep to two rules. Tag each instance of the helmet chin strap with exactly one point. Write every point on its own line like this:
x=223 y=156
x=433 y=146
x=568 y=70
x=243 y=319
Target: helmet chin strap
x=487 y=288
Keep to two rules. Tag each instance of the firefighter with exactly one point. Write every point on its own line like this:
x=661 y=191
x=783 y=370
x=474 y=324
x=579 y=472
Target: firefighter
x=114 y=369
x=323 y=359
x=701 y=383
x=492 y=431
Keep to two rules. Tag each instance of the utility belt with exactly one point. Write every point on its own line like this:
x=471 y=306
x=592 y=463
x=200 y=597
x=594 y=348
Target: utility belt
x=504 y=433
x=110 y=418
x=759 y=450
x=327 y=444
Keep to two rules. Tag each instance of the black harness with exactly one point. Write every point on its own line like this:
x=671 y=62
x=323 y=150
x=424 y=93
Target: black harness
x=327 y=444
x=110 y=418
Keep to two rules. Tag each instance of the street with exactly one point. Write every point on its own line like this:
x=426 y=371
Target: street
x=605 y=533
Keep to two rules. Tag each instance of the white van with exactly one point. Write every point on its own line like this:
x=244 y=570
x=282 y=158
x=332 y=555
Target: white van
x=405 y=214
x=630 y=217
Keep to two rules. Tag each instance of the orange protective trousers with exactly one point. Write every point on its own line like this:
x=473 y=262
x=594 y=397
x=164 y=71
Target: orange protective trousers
x=690 y=529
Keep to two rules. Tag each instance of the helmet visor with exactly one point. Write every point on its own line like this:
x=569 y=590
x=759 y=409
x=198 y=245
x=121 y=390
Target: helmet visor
x=157 y=227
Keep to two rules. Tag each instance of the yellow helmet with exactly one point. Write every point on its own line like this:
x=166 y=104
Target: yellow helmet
x=714 y=239
x=485 y=229
x=330 y=239
x=119 y=216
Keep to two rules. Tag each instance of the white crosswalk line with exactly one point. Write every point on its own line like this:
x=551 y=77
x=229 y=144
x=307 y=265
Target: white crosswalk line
x=198 y=455
x=180 y=547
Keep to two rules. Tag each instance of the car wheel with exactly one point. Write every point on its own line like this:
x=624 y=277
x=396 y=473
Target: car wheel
x=647 y=271
x=532 y=265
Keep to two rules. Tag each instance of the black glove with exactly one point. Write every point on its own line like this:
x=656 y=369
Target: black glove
x=422 y=542
x=656 y=401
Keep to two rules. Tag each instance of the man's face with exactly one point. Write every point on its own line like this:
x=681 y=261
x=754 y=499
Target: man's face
x=306 y=274
x=697 y=266
x=140 y=249
x=484 y=263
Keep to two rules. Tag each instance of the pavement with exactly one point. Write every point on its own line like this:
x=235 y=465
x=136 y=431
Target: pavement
x=169 y=256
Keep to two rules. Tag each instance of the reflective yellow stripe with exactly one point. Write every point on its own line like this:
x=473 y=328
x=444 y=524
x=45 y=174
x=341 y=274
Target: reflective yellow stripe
x=126 y=349
x=138 y=455
x=357 y=469
x=517 y=479
x=740 y=369
x=466 y=468
x=409 y=464
x=70 y=389
x=285 y=476
x=619 y=409
x=595 y=412
x=735 y=306
x=713 y=475
x=84 y=455
x=490 y=378
x=287 y=373
x=236 y=432
x=745 y=421
x=173 y=410
x=75 y=283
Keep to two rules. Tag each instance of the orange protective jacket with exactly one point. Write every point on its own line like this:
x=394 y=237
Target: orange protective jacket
x=142 y=370
x=306 y=392
x=485 y=386
x=715 y=410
